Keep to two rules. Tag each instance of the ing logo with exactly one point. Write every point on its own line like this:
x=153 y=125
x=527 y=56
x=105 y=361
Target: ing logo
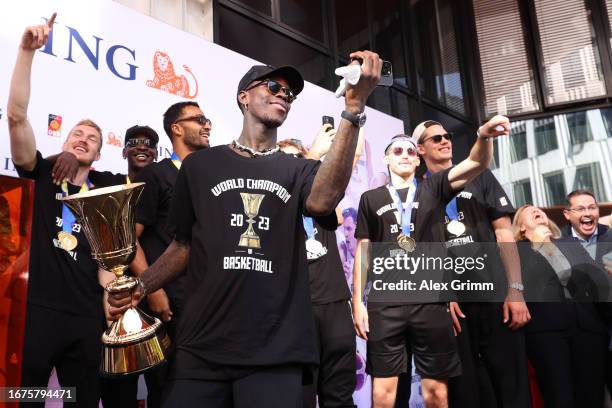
x=54 y=125
x=165 y=79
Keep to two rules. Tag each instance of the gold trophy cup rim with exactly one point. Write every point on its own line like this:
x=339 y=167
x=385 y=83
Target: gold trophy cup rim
x=104 y=190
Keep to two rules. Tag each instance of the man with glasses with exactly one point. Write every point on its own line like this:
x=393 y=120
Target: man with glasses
x=582 y=213
x=189 y=131
x=407 y=212
x=490 y=344
x=246 y=331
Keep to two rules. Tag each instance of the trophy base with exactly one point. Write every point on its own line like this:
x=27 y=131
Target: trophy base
x=126 y=351
x=249 y=241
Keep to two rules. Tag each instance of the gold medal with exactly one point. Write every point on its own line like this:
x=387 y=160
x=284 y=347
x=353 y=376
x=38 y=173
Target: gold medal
x=406 y=243
x=67 y=241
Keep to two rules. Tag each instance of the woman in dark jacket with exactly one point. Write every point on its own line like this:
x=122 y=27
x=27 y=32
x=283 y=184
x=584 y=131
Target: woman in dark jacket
x=566 y=338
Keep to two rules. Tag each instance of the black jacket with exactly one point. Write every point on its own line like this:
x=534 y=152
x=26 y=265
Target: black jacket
x=549 y=308
x=604 y=240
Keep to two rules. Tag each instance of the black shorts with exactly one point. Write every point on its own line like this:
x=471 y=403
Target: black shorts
x=399 y=331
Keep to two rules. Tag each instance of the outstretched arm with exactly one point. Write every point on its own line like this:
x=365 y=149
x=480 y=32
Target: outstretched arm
x=334 y=174
x=167 y=268
x=23 y=143
x=481 y=153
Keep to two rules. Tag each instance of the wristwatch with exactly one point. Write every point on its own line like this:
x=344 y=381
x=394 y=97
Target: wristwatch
x=517 y=285
x=357 y=120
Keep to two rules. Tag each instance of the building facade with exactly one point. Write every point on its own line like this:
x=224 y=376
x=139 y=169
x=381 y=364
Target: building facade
x=547 y=64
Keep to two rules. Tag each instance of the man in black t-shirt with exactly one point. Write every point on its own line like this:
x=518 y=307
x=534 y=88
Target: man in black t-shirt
x=246 y=329
x=189 y=131
x=492 y=350
x=334 y=381
x=64 y=314
x=406 y=212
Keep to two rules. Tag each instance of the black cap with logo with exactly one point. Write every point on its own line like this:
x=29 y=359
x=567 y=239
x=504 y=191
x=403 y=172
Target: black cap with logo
x=259 y=72
x=138 y=130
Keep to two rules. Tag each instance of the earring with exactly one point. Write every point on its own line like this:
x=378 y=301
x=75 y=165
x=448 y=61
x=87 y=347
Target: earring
x=246 y=106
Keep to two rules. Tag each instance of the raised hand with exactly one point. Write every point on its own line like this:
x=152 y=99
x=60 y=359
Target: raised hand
x=36 y=36
x=357 y=95
x=322 y=142
x=496 y=126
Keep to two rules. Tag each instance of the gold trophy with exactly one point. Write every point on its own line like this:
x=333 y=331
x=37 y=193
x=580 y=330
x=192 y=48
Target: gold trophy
x=251 y=204
x=136 y=341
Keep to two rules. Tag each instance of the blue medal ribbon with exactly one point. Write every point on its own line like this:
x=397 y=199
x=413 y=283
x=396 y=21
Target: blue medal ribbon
x=68 y=218
x=309 y=227
x=175 y=159
x=405 y=209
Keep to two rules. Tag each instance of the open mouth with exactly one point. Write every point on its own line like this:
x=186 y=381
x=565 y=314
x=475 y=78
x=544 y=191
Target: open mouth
x=80 y=148
x=587 y=222
x=142 y=156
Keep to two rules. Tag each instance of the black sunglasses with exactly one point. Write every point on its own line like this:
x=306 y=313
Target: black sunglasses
x=275 y=88
x=201 y=119
x=438 y=138
x=135 y=142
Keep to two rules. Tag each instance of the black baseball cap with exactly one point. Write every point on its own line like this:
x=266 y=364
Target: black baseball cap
x=259 y=72
x=137 y=130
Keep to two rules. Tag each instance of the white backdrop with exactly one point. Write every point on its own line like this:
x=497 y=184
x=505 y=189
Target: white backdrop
x=97 y=66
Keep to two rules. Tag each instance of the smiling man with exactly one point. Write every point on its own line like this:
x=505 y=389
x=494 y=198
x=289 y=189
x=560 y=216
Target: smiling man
x=189 y=131
x=64 y=312
x=139 y=149
x=246 y=332
x=582 y=212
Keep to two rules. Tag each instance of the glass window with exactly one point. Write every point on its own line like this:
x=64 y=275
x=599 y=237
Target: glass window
x=263 y=6
x=495 y=162
x=606 y=115
x=522 y=193
x=387 y=30
x=518 y=142
x=570 y=57
x=401 y=107
x=554 y=188
x=507 y=75
x=579 y=129
x=304 y=16
x=380 y=99
x=588 y=177
x=545 y=135
x=314 y=66
x=439 y=70
x=352 y=26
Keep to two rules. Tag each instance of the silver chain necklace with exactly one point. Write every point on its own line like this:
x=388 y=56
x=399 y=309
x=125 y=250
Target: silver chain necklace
x=253 y=152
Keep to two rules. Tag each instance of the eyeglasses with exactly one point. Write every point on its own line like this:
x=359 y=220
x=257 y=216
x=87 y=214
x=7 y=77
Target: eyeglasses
x=438 y=138
x=201 y=119
x=398 y=151
x=275 y=88
x=583 y=210
x=135 y=142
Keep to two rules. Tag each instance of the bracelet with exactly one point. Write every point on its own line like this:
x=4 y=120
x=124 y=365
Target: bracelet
x=140 y=282
x=485 y=138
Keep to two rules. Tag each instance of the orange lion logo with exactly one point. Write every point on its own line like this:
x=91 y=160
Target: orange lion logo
x=166 y=80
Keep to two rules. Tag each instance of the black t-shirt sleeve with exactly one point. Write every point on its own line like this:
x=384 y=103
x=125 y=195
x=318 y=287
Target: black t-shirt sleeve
x=146 y=211
x=439 y=186
x=36 y=171
x=182 y=215
x=363 y=229
x=497 y=202
x=329 y=222
x=106 y=178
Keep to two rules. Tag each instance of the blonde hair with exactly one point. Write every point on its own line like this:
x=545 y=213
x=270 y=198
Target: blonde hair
x=516 y=225
x=91 y=123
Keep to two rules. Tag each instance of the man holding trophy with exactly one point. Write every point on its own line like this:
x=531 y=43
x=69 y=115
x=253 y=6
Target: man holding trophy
x=65 y=315
x=245 y=334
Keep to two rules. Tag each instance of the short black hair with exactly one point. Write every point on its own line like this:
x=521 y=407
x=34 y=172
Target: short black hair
x=576 y=193
x=173 y=113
